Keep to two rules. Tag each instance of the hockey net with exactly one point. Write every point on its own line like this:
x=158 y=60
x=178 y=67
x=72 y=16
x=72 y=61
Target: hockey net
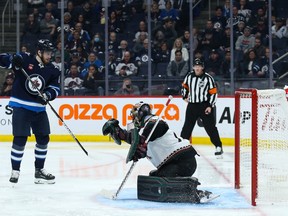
x=261 y=145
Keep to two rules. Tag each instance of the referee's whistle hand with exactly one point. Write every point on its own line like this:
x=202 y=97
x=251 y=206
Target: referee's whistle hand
x=207 y=110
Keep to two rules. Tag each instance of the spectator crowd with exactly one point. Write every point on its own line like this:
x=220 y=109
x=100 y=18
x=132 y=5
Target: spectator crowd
x=84 y=34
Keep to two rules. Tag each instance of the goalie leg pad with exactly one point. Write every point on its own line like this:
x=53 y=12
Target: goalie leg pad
x=168 y=189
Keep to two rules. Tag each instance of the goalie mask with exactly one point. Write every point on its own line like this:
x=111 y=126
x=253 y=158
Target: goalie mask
x=139 y=111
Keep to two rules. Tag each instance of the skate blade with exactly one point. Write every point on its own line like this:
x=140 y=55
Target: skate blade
x=211 y=197
x=43 y=181
x=108 y=194
x=219 y=156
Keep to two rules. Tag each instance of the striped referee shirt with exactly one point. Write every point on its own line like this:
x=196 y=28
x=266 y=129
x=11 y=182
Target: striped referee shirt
x=199 y=89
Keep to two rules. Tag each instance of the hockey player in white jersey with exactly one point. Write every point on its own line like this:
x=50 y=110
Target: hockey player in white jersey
x=173 y=157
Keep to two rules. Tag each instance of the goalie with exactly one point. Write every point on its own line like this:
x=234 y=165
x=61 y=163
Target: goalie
x=173 y=157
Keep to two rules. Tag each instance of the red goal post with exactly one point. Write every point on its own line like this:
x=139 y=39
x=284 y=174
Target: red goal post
x=261 y=145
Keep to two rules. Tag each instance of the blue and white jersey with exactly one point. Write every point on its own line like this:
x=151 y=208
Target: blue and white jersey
x=45 y=77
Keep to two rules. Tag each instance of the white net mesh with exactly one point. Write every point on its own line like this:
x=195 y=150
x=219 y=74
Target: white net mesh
x=272 y=131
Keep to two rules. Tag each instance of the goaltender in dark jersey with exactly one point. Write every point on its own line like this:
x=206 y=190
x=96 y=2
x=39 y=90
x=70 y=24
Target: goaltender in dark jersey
x=24 y=93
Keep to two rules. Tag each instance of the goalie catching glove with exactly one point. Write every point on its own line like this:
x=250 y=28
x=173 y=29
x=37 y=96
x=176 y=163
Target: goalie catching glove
x=112 y=127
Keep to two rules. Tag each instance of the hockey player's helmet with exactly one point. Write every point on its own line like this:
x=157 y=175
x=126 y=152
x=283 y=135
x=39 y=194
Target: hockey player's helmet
x=45 y=45
x=139 y=111
x=198 y=61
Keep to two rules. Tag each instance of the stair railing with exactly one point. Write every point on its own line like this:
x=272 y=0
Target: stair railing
x=9 y=5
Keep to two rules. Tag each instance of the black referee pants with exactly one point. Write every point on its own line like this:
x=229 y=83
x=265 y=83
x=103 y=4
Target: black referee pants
x=195 y=111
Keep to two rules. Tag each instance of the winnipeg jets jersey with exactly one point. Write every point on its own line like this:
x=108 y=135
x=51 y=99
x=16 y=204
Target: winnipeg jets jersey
x=44 y=77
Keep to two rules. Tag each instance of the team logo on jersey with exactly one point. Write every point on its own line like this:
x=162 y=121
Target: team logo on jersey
x=38 y=82
x=30 y=67
x=201 y=84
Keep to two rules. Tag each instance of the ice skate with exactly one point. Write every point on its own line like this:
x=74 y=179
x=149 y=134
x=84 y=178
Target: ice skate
x=43 y=177
x=14 y=176
x=206 y=196
x=219 y=152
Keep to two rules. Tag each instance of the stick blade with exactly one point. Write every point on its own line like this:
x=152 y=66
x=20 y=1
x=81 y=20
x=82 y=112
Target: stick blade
x=108 y=194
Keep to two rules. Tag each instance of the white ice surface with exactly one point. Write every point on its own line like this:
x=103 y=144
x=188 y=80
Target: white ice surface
x=81 y=180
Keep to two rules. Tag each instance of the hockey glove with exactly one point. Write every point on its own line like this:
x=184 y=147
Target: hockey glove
x=112 y=127
x=17 y=61
x=46 y=97
x=141 y=152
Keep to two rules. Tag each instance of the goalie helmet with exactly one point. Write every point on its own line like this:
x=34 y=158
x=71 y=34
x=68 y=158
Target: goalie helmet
x=139 y=111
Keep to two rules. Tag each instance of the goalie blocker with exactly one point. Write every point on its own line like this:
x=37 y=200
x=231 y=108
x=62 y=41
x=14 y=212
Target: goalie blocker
x=170 y=189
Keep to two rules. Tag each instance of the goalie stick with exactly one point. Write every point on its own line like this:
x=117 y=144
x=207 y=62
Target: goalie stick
x=115 y=195
x=54 y=111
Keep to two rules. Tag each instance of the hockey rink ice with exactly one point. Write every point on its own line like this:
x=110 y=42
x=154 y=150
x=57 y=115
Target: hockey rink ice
x=81 y=180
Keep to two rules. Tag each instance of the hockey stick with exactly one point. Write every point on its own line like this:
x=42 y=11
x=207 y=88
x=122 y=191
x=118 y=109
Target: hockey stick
x=54 y=111
x=114 y=196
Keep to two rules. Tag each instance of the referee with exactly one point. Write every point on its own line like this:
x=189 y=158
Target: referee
x=199 y=90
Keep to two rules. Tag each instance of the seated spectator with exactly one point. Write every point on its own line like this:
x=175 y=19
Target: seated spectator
x=279 y=34
x=251 y=65
x=186 y=39
x=48 y=26
x=255 y=17
x=259 y=48
x=169 y=12
x=76 y=59
x=167 y=32
x=226 y=9
x=52 y=8
x=178 y=45
x=142 y=55
x=213 y=64
x=239 y=29
x=122 y=50
x=73 y=10
x=155 y=14
x=92 y=59
x=97 y=44
x=142 y=29
x=139 y=43
x=87 y=13
x=31 y=32
x=244 y=9
x=86 y=26
x=68 y=24
x=92 y=83
x=207 y=43
x=128 y=88
x=243 y=44
x=225 y=65
x=114 y=23
x=265 y=71
x=74 y=40
x=161 y=53
x=111 y=63
x=261 y=30
x=113 y=42
x=236 y=17
x=82 y=37
x=126 y=67
x=72 y=82
x=219 y=20
x=57 y=60
x=177 y=67
x=7 y=85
